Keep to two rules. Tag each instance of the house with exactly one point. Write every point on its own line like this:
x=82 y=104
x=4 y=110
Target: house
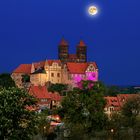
x=45 y=99
x=114 y=104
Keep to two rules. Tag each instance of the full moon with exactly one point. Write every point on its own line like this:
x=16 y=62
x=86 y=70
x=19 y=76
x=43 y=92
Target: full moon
x=92 y=10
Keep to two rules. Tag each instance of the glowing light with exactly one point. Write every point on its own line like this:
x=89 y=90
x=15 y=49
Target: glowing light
x=57 y=118
x=92 y=10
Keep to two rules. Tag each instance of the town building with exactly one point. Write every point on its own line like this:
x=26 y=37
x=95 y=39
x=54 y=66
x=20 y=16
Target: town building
x=114 y=104
x=45 y=98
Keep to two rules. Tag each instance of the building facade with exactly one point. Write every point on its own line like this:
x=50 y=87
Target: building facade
x=53 y=71
x=114 y=104
x=68 y=69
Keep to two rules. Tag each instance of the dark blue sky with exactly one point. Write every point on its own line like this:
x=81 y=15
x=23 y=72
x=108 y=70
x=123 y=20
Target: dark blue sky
x=30 y=30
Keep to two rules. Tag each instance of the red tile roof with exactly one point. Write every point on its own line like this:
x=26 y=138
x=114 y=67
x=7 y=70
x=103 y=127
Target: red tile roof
x=124 y=97
x=39 y=64
x=26 y=68
x=50 y=62
x=63 y=42
x=79 y=68
x=112 y=101
x=41 y=92
x=81 y=43
x=23 y=68
x=55 y=97
x=117 y=102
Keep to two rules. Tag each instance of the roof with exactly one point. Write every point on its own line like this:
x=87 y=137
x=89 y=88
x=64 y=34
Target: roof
x=50 y=62
x=79 y=68
x=118 y=101
x=63 y=42
x=55 y=97
x=39 y=64
x=81 y=43
x=26 y=68
x=112 y=101
x=41 y=92
x=23 y=68
x=94 y=64
x=124 y=97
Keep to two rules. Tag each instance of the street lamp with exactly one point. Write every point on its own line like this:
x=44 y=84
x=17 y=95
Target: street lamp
x=44 y=130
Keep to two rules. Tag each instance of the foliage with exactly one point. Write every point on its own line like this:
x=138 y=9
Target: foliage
x=43 y=123
x=84 y=107
x=112 y=91
x=60 y=88
x=6 y=81
x=25 y=78
x=131 y=109
x=116 y=124
x=131 y=112
x=16 y=120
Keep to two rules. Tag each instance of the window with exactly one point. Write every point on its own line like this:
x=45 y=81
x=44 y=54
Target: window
x=52 y=74
x=44 y=100
x=58 y=74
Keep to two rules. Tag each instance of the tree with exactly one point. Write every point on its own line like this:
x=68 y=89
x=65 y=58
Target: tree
x=112 y=91
x=17 y=121
x=131 y=112
x=115 y=124
x=6 y=81
x=60 y=88
x=84 y=107
x=44 y=123
x=25 y=78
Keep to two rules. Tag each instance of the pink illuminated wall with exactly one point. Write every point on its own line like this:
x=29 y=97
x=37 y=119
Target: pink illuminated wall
x=77 y=77
x=93 y=76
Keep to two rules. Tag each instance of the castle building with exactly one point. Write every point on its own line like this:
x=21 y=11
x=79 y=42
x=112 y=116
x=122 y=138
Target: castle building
x=68 y=69
x=81 y=71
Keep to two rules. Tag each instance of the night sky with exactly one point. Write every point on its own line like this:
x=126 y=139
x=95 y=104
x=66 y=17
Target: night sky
x=30 y=31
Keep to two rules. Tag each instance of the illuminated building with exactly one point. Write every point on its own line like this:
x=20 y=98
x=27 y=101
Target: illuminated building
x=69 y=69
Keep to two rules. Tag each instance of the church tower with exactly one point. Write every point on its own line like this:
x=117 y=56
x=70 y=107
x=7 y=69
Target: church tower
x=81 y=52
x=63 y=51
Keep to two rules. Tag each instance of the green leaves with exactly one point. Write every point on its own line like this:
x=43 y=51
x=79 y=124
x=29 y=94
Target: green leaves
x=6 y=81
x=17 y=122
x=84 y=107
x=60 y=88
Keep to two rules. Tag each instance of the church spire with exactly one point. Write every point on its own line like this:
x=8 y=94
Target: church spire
x=82 y=43
x=63 y=42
